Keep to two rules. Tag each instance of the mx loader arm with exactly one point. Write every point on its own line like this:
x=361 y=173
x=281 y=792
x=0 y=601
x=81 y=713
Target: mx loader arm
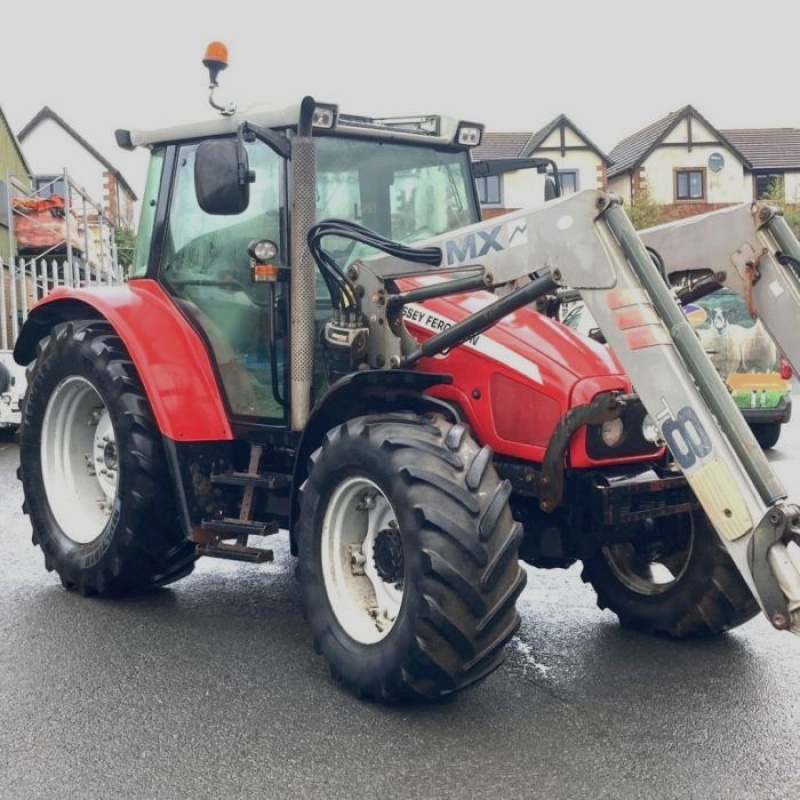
x=586 y=242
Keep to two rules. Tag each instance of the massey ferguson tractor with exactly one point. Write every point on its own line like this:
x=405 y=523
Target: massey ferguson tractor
x=320 y=338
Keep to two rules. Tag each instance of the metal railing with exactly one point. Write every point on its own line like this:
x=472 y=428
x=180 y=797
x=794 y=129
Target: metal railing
x=25 y=281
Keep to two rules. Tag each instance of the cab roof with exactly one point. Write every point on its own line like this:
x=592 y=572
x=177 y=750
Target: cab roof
x=428 y=128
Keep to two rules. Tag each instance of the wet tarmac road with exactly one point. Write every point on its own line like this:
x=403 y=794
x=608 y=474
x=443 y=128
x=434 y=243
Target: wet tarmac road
x=210 y=689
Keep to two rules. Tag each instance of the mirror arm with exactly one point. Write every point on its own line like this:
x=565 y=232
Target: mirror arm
x=499 y=166
x=279 y=143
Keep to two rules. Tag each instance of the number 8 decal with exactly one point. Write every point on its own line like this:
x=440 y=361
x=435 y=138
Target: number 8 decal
x=686 y=437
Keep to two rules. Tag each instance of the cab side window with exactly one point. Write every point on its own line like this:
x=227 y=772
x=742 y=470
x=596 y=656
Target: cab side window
x=206 y=265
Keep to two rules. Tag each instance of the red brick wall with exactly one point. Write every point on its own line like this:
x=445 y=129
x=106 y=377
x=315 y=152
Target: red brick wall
x=488 y=213
x=683 y=210
x=602 y=177
x=117 y=202
x=638 y=182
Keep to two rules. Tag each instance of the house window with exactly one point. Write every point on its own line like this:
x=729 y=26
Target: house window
x=769 y=185
x=690 y=184
x=48 y=185
x=489 y=192
x=569 y=181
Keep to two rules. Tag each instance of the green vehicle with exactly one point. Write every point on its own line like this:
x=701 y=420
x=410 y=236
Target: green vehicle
x=744 y=354
x=747 y=359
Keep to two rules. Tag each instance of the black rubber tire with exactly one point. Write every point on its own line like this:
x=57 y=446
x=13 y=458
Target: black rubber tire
x=706 y=597
x=5 y=378
x=142 y=545
x=766 y=433
x=461 y=574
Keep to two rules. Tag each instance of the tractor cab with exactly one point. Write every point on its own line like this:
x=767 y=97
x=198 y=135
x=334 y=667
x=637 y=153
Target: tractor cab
x=222 y=232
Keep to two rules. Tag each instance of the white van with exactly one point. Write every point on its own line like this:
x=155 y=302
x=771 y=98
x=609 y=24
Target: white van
x=12 y=387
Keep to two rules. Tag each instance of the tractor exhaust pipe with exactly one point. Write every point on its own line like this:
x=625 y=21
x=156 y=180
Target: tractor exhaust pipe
x=301 y=330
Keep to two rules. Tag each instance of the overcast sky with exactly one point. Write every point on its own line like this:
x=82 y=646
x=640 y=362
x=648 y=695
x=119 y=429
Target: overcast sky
x=612 y=66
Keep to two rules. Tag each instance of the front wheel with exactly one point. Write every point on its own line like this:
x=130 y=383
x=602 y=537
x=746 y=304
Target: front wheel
x=675 y=579
x=766 y=433
x=93 y=468
x=408 y=557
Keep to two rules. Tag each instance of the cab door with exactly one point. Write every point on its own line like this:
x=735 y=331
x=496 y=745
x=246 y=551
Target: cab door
x=206 y=266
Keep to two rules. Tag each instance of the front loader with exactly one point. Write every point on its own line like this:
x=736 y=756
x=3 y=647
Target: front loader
x=320 y=338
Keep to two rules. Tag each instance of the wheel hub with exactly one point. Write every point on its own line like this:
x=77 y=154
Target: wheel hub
x=388 y=555
x=80 y=459
x=362 y=559
x=110 y=455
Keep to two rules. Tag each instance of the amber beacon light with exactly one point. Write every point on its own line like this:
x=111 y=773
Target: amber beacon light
x=215 y=59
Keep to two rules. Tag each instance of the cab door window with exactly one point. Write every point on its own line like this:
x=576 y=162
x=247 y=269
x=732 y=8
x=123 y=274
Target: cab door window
x=206 y=266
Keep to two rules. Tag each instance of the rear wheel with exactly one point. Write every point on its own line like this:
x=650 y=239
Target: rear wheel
x=93 y=468
x=408 y=557
x=766 y=433
x=676 y=579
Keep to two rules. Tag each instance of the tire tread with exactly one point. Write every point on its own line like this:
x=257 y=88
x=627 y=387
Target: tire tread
x=149 y=549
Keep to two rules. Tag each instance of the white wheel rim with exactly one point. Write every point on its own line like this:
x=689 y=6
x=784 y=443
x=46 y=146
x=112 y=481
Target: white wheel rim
x=80 y=468
x=365 y=604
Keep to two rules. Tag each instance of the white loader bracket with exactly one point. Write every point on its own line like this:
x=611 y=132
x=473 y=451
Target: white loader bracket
x=586 y=242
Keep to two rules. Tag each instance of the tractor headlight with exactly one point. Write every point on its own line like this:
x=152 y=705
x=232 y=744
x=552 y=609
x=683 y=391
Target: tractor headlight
x=633 y=434
x=324 y=116
x=5 y=398
x=469 y=133
x=650 y=432
x=611 y=432
x=262 y=250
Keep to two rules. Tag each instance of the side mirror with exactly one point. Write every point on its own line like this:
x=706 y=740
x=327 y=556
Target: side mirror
x=222 y=177
x=550 y=188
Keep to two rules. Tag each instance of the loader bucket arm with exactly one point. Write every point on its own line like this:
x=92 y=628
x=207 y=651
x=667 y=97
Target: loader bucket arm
x=586 y=242
x=750 y=248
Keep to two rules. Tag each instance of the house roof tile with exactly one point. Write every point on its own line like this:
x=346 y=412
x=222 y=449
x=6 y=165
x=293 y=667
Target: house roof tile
x=767 y=148
x=633 y=150
x=501 y=145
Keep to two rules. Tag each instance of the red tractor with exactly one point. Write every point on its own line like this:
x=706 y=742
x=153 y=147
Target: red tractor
x=321 y=338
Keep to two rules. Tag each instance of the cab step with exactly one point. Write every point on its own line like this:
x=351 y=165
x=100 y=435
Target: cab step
x=236 y=552
x=258 y=480
x=230 y=528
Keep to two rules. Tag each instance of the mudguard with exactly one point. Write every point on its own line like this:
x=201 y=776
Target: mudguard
x=170 y=357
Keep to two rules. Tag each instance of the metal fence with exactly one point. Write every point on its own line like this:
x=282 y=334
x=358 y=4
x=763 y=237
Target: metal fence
x=27 y=280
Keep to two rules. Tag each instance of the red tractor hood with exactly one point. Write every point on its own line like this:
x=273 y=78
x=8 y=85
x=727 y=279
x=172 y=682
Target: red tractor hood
x=516 y=380
x=525 y=342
